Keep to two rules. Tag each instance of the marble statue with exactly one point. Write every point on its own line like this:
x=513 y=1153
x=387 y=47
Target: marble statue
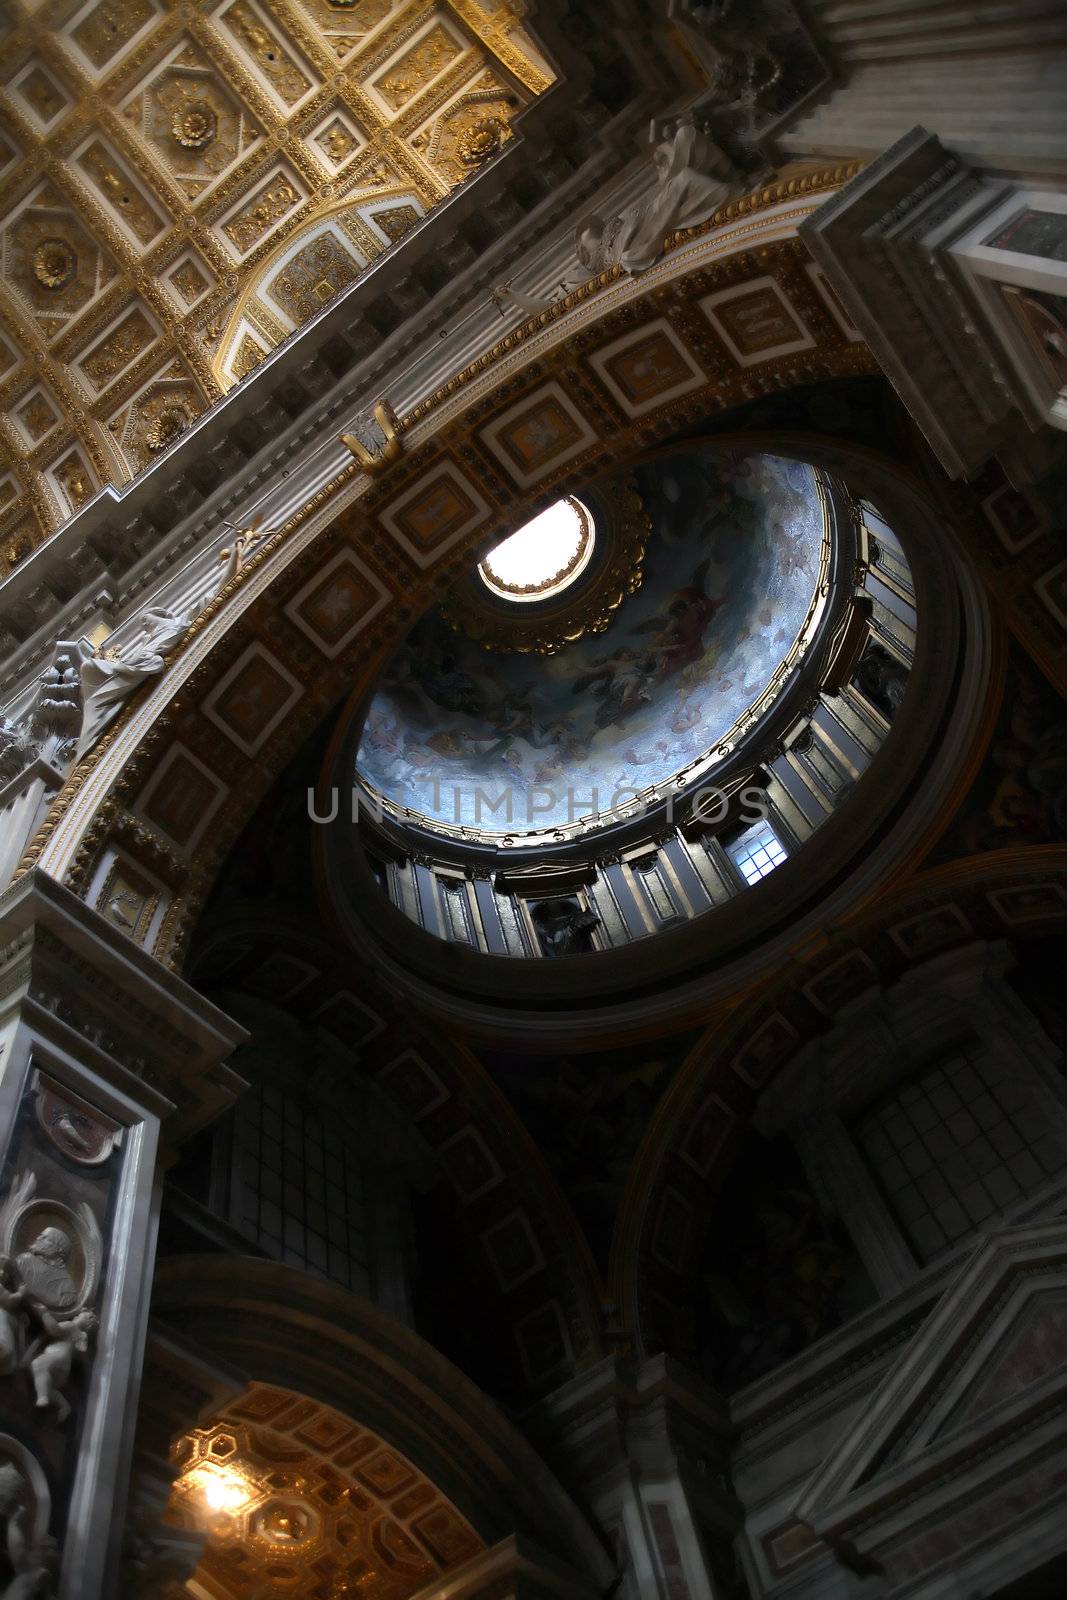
x=29 y=1565
x=54 y=1354
x=693 y=178
x=108 y=680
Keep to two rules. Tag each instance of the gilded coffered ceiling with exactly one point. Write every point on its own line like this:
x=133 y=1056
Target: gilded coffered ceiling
x=294 y=1499
x=185 y=184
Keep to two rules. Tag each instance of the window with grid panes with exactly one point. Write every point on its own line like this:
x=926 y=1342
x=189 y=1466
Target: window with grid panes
x=756 y=852
x=956 y=1146
x=300 y=1188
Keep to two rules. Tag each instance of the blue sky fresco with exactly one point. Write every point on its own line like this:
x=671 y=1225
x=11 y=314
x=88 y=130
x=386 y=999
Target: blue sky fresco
x=731 y=568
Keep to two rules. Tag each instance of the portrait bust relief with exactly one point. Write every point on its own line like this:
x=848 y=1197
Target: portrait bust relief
x=56 y=1251
x=51 y=1264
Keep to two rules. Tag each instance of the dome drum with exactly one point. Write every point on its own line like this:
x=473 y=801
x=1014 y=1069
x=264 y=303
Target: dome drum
x=703 y=869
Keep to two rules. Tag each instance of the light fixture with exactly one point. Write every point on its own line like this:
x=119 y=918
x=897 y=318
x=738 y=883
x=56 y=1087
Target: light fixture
x=544 y=556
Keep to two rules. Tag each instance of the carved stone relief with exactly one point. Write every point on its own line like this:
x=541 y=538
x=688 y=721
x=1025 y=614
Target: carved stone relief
x=56 y=1250
x=27 y=1552
x=80 y=1133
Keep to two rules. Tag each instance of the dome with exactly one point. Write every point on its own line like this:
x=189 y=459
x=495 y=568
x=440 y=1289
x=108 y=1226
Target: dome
x=661 y=684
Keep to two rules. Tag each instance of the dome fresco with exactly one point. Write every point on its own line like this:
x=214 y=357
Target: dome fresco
x=731 y=570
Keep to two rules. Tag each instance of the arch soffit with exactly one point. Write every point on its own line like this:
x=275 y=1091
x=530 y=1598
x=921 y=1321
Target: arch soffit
x=278 y=1326
x=561 y=399
x=697 y=1129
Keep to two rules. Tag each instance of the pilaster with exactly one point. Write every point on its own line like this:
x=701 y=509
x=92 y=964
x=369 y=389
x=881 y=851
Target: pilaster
x=645 y=1448
x=108 y=1061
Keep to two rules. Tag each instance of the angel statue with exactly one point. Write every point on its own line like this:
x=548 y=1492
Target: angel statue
x=52 y=1356
x=108 y=679
x=693 y=178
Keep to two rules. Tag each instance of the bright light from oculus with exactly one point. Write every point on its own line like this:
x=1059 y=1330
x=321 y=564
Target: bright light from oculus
x=221 y=1488
x=544 y=557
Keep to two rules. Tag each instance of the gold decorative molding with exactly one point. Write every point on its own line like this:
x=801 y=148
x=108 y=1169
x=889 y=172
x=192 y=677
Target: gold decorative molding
x=372 y=461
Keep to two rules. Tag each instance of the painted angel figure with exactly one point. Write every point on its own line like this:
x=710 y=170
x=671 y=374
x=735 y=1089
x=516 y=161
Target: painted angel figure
x=693 y=178
x=678 y=633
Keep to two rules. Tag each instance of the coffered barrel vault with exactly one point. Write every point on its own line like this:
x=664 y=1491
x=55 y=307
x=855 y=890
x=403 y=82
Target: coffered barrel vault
x=188 y=184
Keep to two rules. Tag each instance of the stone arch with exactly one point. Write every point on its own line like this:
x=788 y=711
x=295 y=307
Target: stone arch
x=303 y=273
x=700 y=1128
x=249 y=1321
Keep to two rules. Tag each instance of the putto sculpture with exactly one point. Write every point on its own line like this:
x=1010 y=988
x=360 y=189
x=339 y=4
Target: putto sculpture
x=51 y=1359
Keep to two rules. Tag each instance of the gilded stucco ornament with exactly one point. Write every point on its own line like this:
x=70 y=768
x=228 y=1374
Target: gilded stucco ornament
x=194 y=124
x=482 y=141
x=182 y=110
x=234 y=556
x=54 y=263
x=376 y=442
x=166 y=426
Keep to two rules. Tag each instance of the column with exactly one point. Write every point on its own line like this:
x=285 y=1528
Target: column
x=646 y=1447
x=107 y=1063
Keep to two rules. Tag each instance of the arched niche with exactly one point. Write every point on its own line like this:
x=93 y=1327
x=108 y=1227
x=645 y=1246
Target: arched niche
x=269 y=1348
